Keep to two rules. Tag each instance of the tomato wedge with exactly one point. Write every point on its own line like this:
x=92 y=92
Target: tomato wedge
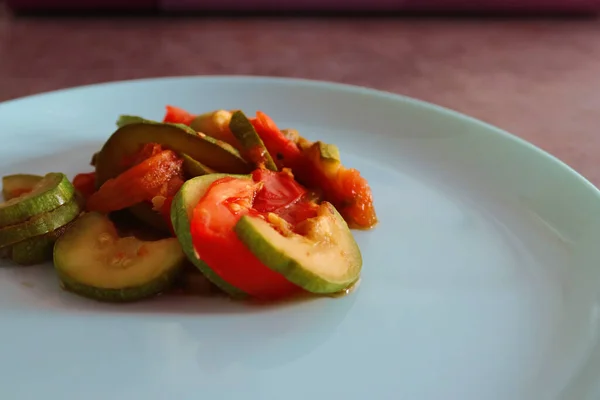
x=214 y=239
x=176 y=115
x=85 y=183
x=157 y=175
x=284 y=152
x=345 y=188
x=279 y=190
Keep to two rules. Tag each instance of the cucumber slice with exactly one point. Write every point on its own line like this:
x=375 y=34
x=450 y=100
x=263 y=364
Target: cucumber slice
x=40 y=224
x=130 y=137
x=15 y=185
x=327 y=152
x=181 y=215
x=244 y=132
x=131 y=119
x=93 y=261
x=324 y=259
x=52 y=191
x=36 y=250
x=193 y=168
x=215 y=124
x=93 y=160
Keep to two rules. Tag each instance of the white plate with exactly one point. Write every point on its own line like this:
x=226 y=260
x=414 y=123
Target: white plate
x=480 y=283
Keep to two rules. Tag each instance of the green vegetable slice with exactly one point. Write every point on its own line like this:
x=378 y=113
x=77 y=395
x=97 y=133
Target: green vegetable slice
x=321 y=256
x=253 y=146
x=15 y=185
x=40 y=224
x=36 y=250
x=130 y=137
x=193 y=168
x=93 y=261
x=52 y=191
x=181 y=216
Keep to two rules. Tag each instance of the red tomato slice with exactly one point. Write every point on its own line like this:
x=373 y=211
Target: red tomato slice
x=279 y=190
x=298 y=212
x=85 y=183
x=176 y=115
x=357 y=204
x=140 y=183
x=217 y=244
x=284 y=152
x=281 y=194
x=148 y=150
x=343 y=187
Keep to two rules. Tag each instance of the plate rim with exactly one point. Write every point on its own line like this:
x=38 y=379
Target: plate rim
x=324 y=84
x=353 y=89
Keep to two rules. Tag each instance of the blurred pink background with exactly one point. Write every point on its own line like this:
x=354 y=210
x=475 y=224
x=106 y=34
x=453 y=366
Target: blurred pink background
x=338 y=5
x=535 y=77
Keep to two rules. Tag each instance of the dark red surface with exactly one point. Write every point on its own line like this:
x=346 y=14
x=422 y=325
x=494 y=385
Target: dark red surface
x=83 y=5
x=383 y=5
x=537 y=78
x=332 y=5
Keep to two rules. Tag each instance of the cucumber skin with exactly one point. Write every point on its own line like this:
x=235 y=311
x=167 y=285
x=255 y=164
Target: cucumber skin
x=193 y=168
x=293 y=271
x=181 y=225
x=40 y=224
x=27 y=179
x=243 y=130
x=124 y=295
x=36 y=250
x=127 y=139
x=44 y=202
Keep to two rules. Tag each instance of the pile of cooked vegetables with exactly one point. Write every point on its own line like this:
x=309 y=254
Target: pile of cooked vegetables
x=234 y=202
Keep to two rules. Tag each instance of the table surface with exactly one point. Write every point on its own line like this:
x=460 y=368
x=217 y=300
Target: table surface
x=539 y=79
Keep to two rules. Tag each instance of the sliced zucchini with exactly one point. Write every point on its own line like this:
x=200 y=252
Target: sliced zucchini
x=129 y=138
x=303 y=143
x=36 y=250
x=40 y=224
x=132 y=119
x=327 y=152
x=93 y=261
x=193 y=168
x=16 y=185
x=251 y=143
x=216 y=125
x=52 y=191
x=322 y=257
x=93 y=160
x=181 y=216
